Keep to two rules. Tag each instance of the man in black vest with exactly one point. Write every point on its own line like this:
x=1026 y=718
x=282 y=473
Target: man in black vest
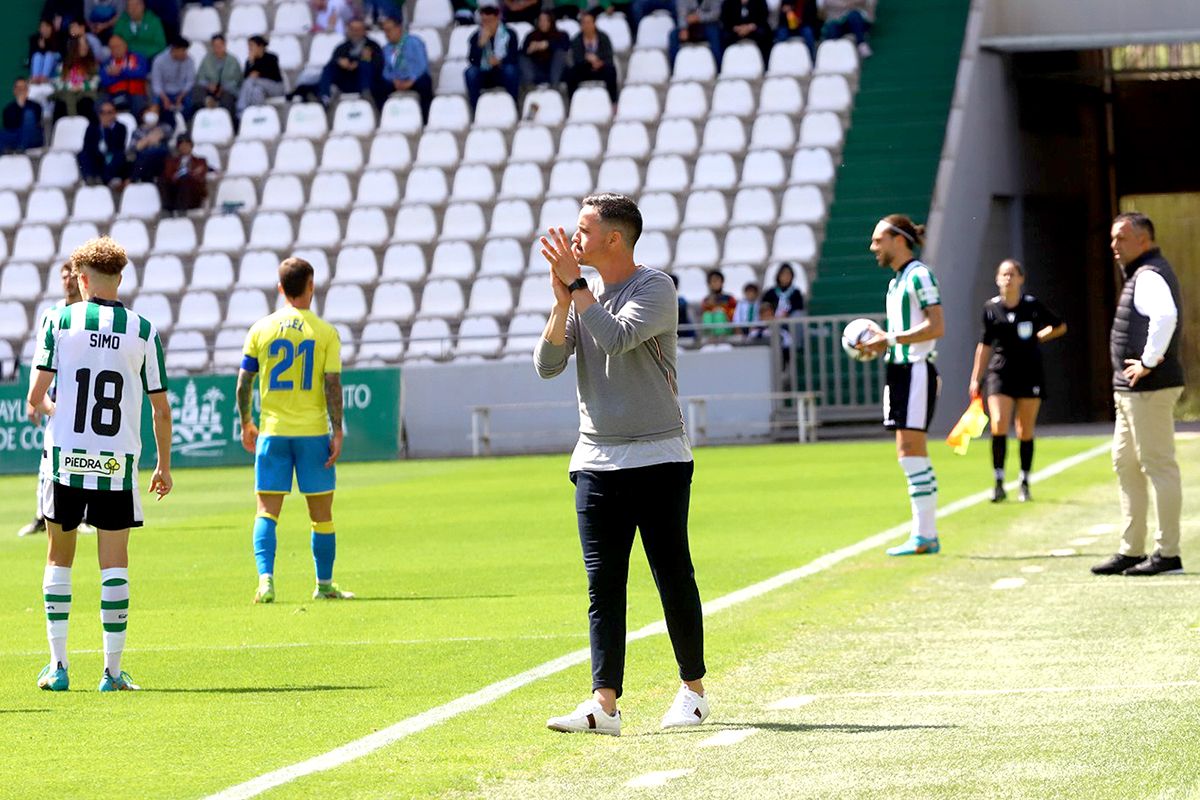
x=1147 y=382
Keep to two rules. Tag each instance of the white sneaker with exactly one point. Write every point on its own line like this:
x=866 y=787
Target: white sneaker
x=589 y=717
x=689 y=708
x=865 y=51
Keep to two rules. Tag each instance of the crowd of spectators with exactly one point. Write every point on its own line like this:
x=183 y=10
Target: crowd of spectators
x=723 y=316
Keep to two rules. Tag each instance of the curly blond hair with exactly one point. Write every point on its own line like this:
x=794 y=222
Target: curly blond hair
x=102 y=254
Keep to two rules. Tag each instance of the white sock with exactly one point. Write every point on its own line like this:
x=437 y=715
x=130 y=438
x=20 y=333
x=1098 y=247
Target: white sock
x=922 y=494
x=1024 y=476
x=114 y=613
x=999 y=474
x=56 y=592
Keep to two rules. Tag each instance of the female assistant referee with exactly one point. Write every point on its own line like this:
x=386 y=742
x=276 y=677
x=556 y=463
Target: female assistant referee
x=1014 y=327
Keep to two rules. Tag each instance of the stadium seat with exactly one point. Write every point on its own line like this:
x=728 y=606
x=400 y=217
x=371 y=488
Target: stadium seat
x=368 y=226
x=199 y=24
x=557 y=213
x=282 y=193
x=628 y=139
x=754 y=206
x=502 y=257
x=619 y=175
x=794 y=243
x=496 y=109
x=415 y=223
x=695 y=247
x=654 y=31
x=652 y=250
x=400 y=114
x=356 y=264
x=16 y=172
x=295 y=157
x=532 y=143
x=227 y=349
x=474 y=182
x=590 y=104
x=176 y=236
x=441 y=298
x=478 y=336
x=237 y=195
x=246 y=307
x=579 y=140
x=803 y=204
x=393 y=301
x=341 y=154
x=140 y=201
x=378 y=187
x=821 y=129
x=463 y=221
x=790 y=58
x=319 y=228
x=198 y=311
x=321 y=47
x=521 y=29
x=212 y=271
x=68 y=134
x=836 y=56
x=223 y=233
x=660 y=211
x=491 y=296
x=75 y=234
x=58 y=170
x=246 y=21
x=429 y=338
x=830 y=93
x=695 y=62
x=433 y=43
x=523 y=334
x=319 y=261
x=389 y=151
x=451 y=80
x=724 y=135
x=676 y=136
x=212 y=156
x=568 y=26
x=345 y=303
x=47 y=206
x=511 y=218
x=668 y=173
x=214 y=126
x=733 y=97
x=271 y=231
x=93 y=204
x=485 y=146
x=693 y=283
x=380 y=341
x=426 y=185
x=742 y=60
x=328 y=190
x=535 y=295
x=545 y=107
x=686 y=100
x=763 y=168
x=292 y=17
x=773 y=132
x=259 y=269
x=10 y=211
x=354 y=117
x=458 y=46
x=745 y=244
x=403 y=262
x=33 y=243
x=637 y=104
x=305 y=121
x=156 y=308
x=521 y=181
x=187 y=351
x=705 y=209
x=20 y=282
x=648 y=66
x=132 y=235
x=781 y=95
x=437 y=149
x=813 y=165
x=618 y=31
x=432 y=14
x=14 y=323
x=449 y=112
x=453 y=260
x=570 y=179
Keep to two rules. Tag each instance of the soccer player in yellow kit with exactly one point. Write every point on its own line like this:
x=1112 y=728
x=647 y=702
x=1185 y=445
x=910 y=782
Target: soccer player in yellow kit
x=297 y=358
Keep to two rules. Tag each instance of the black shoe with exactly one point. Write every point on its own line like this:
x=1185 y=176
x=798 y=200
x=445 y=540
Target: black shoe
x=1116 y=564
x=1025 y=496
x=1157 y=564
x=998 y=493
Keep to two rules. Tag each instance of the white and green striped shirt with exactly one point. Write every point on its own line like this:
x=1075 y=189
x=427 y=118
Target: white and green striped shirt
x=910 y=292
x=106 y=358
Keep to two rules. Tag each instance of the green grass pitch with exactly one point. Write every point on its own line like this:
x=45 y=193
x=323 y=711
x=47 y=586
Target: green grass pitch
x=911 y=678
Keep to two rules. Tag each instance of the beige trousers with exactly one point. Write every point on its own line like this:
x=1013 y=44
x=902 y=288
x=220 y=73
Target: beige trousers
x=1144 y=453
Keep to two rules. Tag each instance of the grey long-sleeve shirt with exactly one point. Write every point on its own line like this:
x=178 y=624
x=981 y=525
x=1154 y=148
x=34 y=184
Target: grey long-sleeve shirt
x=625 y=360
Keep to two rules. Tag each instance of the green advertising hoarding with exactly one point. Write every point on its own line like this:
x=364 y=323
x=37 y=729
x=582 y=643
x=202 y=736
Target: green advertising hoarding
x=206 y=431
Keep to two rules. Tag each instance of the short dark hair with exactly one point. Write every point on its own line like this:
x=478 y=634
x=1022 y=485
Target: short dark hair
x=1017 y=265
x=294 y=275
x=715 y=273
x=217 y=37
x=180 y=43
x=618 y=211
x=1138 y=220
x=749 y=286
x=905 y=228
x=261 y=41
x=20 y=79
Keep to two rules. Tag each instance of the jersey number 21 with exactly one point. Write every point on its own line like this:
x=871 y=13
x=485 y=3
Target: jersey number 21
x=288 y=353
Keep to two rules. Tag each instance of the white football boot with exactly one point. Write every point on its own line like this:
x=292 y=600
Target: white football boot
x=589 y=717
x=688 y=708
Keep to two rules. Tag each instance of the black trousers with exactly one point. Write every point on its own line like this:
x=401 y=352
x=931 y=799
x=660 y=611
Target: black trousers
x=611 y=505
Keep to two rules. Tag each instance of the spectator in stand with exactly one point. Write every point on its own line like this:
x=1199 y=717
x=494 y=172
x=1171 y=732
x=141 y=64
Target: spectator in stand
x=849 y=16
x=184 y=181
x=150 y=145
x=77 y=29
x=22 y=121
x=717 y=307
x=799 y=18
x=330 y=16
x=355 y=66
x=218 y=79
x=544 y=54
x=746 y=21
x=785 y=295
x=172 y=79
x=493 y=57
x=61 y=13
x=75 y=87
x=569 y=9
x=45 y=52
x=123 y=77
x=592 y=58
x=685 y=312
x=699 y=21
x=747 y=308
x=101 y=16
x=405 y=66
x=102 y=159
x=262 y=78
x=522 y=10
x=141 y=29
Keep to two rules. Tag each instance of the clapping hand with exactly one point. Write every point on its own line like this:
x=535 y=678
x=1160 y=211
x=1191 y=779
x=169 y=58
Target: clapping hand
x=557 y=250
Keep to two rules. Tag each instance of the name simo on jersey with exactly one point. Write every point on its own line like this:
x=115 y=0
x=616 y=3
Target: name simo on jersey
x=105 y=340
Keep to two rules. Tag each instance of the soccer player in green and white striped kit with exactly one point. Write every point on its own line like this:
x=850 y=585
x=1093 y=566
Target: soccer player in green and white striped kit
x=914 y=323
x=105 y=358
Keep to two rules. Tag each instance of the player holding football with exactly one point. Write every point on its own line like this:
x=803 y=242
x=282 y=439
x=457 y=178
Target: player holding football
x=297 y=357
x=914 y=323
x=104 y=358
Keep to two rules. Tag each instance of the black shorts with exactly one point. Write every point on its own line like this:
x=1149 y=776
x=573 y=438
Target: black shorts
x=910 y=395
x=107 y=510
x=1014 y=385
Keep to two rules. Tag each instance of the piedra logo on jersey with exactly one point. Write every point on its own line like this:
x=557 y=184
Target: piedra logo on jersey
x=196 y=421
x=84 y=464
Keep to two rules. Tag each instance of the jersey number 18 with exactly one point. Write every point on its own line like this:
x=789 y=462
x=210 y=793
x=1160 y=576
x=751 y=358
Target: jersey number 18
x=104 y=380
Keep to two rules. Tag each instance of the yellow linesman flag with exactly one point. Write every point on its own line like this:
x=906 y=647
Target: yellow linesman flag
x=970 y=426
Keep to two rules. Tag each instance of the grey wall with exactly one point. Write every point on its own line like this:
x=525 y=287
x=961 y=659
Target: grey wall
x=1094 y=21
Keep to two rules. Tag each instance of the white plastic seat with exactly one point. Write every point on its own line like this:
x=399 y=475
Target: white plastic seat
x=803 y=204
x=367 y=226
x=10 y=212
x=724 y=135
x=306 y=121
x=199 y=24
x=458 y=46
x=773 y=132
x=790 y=58
x=187 y=351
x=742 y=61
x=502 y=257
x=227 y=349
x=813 y=165
x=437 y=149
x=345 y=303
x=781 y=95
x=474 y=182
x=354 y=117
x=485 y=146
x=321 y=47
x=648 y=66
x=676 y=136
x=652 y=250
x=451 y=81
x=511 y=218
x=68 y=134
x=319 y=228
x=271 y=231
x=393 y=301
x=821 y=129
x=733 y=97
x=377 y=187
x=329 y=190
x=628 y=139
x=571 y=179
x=356 y=264
x=580 y=140
x=667 y=173
x=521 y=181
x=132 y=235
x=75 y=234
x=47 y=206
x=618 y=31
x=140 y=201
x=463 y=221
x=836 y=56
x=199 y=310
x=654 y=31
x=224 y=233
x=478 y=336
x=282 y=193
x=556 y=213
x=389 y=151
x=745 y=243
x=259 y=269
x=400 y=114
x=830 y=93
x=426 y=185
x=591 y=104
x=619 y=175
x=58 y=170
x=636 y=103
x=380 y=341
x=449 y=112
x=432 y=38
x=738 y=275
x=246 y=306
x=441 y=298
x=705 y=209
x=696 y=247
x=429 y=338
x=415 y=223
x=432 y=13
x=291 y=17
x=536 y=295
x=660 y=211
x=212 y=271
x=763 y=168
x=33 y=243
x=496 y=110
x=550 y=109
x=14 y=323
x=236 y=194
x=295 y=157
x=687 y=100
x=214 y=126
x=20 y=282
x=532 y=143
x=524 y=332
x=176 y=236
x=247 y=20
x=794 y=243
x=693 y=283
x=403 y=262
x=248 y=159
x=695 y=62
x=16 y=171
x=491 y=296
x=754 y=206
x=156 y=308
x=341 y=154
x=452 y=260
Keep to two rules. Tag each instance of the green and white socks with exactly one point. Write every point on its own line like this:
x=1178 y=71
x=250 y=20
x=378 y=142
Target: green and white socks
x=922 y=494
x=114 y=614
x=56 y=593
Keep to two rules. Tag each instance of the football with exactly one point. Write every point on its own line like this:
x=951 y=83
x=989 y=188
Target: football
x=856 y=331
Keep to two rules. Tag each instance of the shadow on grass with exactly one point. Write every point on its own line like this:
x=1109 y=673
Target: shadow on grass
x=418 y=598
x=24 y=711
x=260 y=689
x=794 y=727
x=1028 y=557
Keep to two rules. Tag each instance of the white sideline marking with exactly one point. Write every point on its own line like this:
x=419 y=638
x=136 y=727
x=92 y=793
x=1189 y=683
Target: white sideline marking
x=1109 y=687
x=1083 y=541
x=1009 y=583
x=728 y=738
x=1102 y=529
x=652 y=779
x=415 y=724
x=1063 y=552
x=1033 y=569
x=790 y=703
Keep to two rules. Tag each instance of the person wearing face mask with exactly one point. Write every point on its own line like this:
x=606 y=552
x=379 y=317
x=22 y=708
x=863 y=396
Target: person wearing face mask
x=148 y=145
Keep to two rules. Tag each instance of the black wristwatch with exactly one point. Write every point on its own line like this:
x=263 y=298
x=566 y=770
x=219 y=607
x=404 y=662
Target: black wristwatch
x=577 y=284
